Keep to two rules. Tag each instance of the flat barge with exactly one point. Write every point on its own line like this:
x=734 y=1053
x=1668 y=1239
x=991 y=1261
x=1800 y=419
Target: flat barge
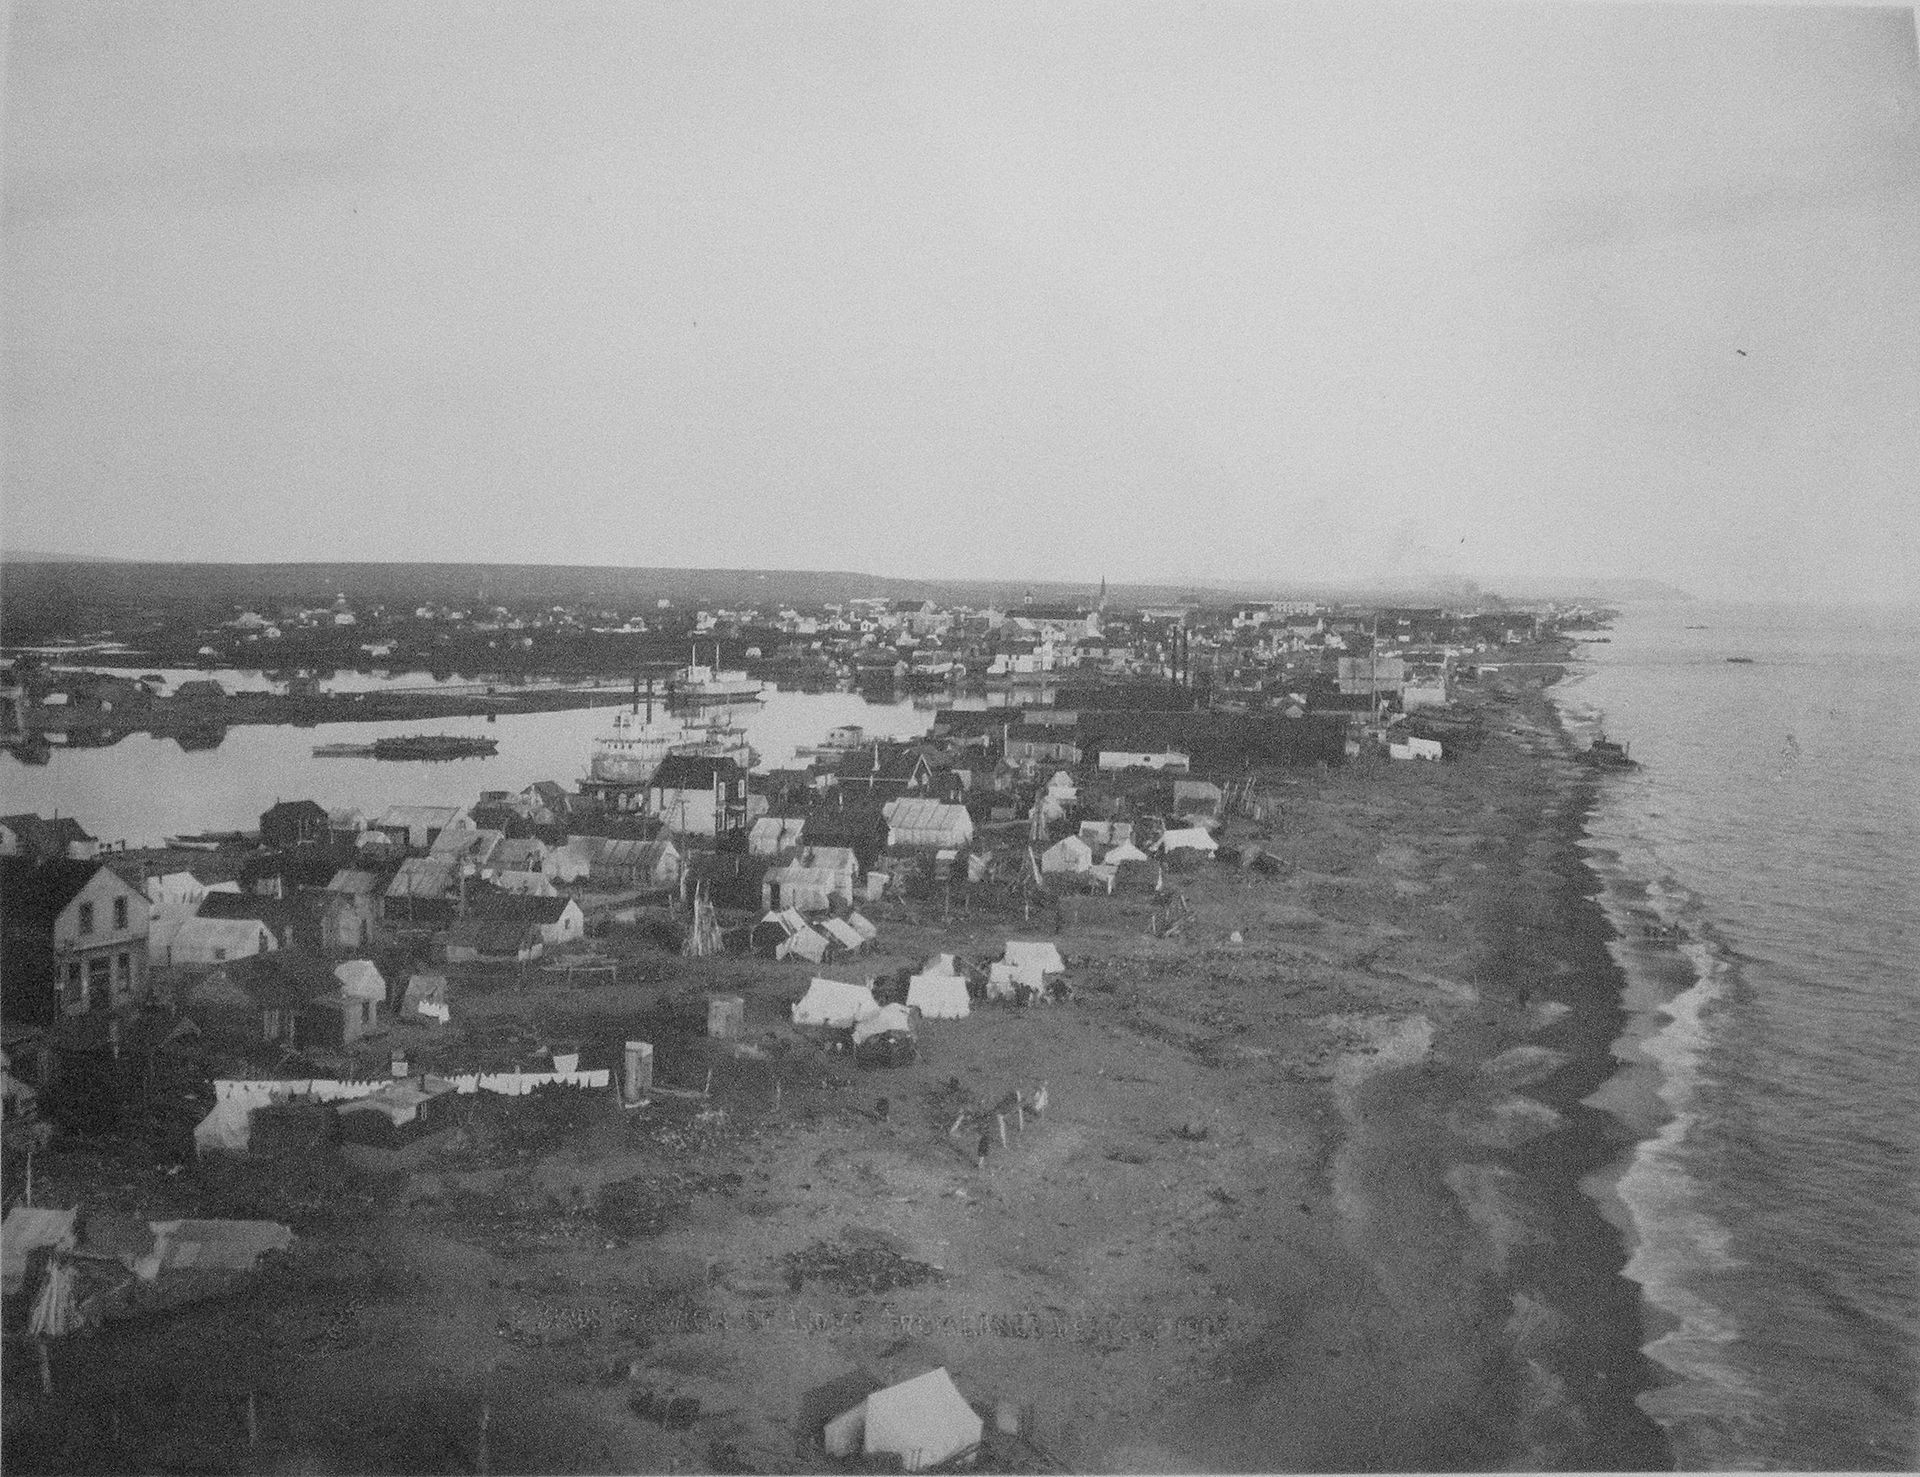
x=412 y=746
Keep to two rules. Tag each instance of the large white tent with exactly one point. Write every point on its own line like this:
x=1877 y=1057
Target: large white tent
x=809 y=945
x=1042 y=956
x=360 y=980
x=924 y=1421
x=834 y=1003
x=939 y=997
x=1189 y=838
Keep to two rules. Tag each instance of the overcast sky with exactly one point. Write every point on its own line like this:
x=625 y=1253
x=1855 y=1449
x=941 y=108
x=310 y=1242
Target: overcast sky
x=1149 y=290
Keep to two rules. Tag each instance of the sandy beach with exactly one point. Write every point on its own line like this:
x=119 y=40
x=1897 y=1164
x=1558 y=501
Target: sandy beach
x=1307 y=1200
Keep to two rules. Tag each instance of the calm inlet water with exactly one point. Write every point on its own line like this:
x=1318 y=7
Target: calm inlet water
x=1761 y=868
x=143 y=788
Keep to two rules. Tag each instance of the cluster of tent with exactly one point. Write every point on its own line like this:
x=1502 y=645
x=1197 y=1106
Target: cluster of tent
x=942 y=988
x=1105 y=853
x=786 y=933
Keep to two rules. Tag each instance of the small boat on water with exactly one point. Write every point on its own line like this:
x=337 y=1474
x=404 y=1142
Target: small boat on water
x=433 y=746
x=213 y=840
x=32 y=748
x=1602 y=754
x=695 y=684
x=1741 y=661
x=343 y=751
x=845 y=739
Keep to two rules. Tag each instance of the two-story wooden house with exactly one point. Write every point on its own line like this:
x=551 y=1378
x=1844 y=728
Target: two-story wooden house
x=75 y=939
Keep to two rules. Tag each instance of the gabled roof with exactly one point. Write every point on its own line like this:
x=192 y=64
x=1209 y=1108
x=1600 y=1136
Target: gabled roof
x=695 y=772
x=423 y=876
x=491 y=935
x=279 y=979
x=829 y=858
x=33 y=893
x=397 y=817
x=359 y=884
x=475 y=846
x=44 y=837
x=506 y=906
x=517 y=855
x=243 y=906
x=916 y=816
x=295 y=810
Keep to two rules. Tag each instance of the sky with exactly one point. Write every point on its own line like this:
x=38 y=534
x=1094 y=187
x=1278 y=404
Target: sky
x=1146 y=290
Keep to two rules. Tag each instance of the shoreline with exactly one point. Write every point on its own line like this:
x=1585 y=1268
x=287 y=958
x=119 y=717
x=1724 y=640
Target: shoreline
x=1575 y=1331
x=1309 y=1194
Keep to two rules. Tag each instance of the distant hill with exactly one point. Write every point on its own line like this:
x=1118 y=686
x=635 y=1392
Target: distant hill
x=48 y=595
x=38 y=556
x=150 y=585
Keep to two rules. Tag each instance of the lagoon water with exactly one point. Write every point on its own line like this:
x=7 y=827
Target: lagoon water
x=1761 y=868
x=144 y=789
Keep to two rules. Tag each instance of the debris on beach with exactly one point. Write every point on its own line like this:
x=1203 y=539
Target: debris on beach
x=855 y=1269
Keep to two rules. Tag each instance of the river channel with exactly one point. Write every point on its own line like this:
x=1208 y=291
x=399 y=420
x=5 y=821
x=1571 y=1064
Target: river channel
x=143 y=789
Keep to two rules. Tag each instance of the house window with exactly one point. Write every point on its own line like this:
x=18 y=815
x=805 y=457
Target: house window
x=122 y=969
x=120 y=914
x=86 y=917
x=366 y=1012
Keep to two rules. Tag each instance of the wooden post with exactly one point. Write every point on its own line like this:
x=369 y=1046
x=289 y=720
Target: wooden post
x=1001 y=1119
x=954 y=1132
x=1021 y=1109
x=707 y=1091
x=483 y=1458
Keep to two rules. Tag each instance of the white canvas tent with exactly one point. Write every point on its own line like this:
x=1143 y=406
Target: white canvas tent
x=887 y=1018
x=924 y=1421
x=860 y=926
x=1043 y=956
x=1002 y=977
x=843 y=934
x=807 y=944
x=1189 y=838
x=926 y=824
x=939 y=997
x=227 y=1128
x=1068 y=854
x=360 y=980
x=833 y=1003
x=1126 y=851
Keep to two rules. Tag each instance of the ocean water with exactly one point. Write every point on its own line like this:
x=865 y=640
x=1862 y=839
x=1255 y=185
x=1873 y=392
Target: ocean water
x=1762 y=868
